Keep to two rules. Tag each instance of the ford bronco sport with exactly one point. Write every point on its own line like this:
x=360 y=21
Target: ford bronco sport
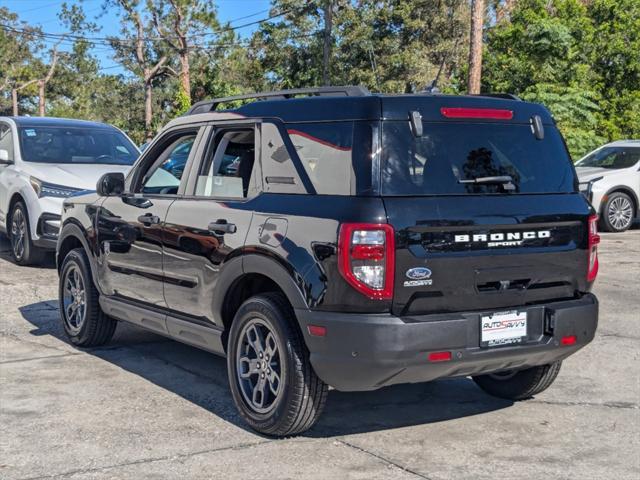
x=331 y=236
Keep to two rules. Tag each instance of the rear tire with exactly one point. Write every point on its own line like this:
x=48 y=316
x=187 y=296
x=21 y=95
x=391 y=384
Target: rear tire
x=84 y=322
x=22 y=248
x=519 y=385
x=617 y=213
x=272 y=381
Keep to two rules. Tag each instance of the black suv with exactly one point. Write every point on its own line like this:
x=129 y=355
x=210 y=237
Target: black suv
x=335 y=237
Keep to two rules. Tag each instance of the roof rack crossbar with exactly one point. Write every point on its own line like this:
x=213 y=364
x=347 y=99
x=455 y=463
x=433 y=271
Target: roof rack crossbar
x=347 y=91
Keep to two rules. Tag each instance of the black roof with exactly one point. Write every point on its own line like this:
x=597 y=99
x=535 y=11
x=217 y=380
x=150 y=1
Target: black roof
x=386 y=107
x=357 y=103
x=56 y=122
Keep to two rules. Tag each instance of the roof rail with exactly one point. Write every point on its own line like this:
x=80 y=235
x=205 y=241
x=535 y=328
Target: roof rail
x=346 y=91
x=508 y=96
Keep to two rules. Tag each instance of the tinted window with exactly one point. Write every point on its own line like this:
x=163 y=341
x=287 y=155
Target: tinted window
x=612 y=157
x=165 y=174
x=6 y=140
x=227 y=169
x=326 y=153
x=450 y=152
x=76 y=145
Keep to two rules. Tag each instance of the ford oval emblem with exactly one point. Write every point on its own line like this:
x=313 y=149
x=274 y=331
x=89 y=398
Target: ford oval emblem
x=418 y=273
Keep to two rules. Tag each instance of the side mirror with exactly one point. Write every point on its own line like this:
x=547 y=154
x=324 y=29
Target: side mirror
x=4 y=157
x=110 y=184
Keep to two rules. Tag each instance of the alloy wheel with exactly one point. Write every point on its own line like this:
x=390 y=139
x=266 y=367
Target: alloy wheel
x=620 y=213
x=18 y=233
x=258 y=366
x=74 y=300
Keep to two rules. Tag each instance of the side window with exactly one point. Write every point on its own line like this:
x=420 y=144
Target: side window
x=326 y=153
x=165 y=174
x=227 y=168
x=6 y=139
x=279 y=172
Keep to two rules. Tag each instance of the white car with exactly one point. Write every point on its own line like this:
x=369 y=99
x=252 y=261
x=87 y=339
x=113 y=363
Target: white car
x=42 y=162
x=610 y=177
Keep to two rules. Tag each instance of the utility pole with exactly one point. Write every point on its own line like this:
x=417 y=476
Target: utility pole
x=475 y=47
x=326 y=50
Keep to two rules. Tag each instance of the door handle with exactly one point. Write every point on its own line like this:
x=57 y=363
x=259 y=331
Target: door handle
x=221 y=226
x=149 y=219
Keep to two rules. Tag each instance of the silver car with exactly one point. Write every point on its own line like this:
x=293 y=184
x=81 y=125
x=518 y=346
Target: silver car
x=610 y=177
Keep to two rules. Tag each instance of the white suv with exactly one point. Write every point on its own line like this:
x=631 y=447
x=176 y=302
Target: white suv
x=42 y=162
x=610 y=177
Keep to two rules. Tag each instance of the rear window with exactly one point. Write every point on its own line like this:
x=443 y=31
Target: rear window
x=76 y=145
x=448 y=153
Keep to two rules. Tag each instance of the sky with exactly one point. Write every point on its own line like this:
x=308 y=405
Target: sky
x=44 y=13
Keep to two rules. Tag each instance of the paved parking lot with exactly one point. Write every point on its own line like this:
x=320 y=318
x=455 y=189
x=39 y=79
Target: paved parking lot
x=147 y=407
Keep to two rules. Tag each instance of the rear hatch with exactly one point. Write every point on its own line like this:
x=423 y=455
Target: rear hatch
x=466 y=240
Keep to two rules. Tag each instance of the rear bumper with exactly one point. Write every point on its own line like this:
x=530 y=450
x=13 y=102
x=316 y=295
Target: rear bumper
x=369 y=351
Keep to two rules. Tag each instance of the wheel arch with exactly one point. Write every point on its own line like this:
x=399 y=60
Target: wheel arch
x=73 y=236
x=249 y=275
x=620 y=189
x=15 y=198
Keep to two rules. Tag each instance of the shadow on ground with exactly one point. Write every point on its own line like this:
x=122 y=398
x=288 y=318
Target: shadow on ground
x=196 y=376
x=5 y=254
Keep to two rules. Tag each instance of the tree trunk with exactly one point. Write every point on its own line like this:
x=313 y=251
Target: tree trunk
x=185 y=74
x=475 y=48
x=148 y=111
x=41 y=85
x=326 y=50
x=14 y=101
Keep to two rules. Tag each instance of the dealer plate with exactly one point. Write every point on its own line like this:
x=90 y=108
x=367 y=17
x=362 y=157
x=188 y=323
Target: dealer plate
x=503 y=328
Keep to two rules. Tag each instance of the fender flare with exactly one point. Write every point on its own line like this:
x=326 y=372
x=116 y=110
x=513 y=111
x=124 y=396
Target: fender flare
x=72 y=229
x=265 y=265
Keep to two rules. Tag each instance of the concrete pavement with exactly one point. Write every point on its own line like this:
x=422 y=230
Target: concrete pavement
x=148 y=407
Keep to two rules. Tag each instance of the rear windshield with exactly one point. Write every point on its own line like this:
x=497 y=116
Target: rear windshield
x=448 y=154
x=76 y=145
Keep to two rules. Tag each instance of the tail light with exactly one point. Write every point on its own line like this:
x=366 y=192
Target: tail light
x=594 y=240
x=366 y=258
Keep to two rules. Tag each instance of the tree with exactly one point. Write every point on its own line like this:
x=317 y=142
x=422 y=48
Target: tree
x=139 y=52
x=327 y=13
x=581 y=59
x=475 y=46
x=17 y=56
x=183 y=25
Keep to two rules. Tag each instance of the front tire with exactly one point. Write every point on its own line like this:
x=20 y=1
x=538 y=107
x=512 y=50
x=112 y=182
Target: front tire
x=273 y=384
x=617 y=212
x=22 y=248
x=520 y=384
x=84 y=322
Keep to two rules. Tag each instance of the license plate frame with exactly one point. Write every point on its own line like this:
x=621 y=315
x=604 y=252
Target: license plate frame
x=499 y=329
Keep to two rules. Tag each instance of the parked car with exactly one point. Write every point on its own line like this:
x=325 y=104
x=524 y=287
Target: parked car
x=610 y=177
x=343 y=238
x=42 y=162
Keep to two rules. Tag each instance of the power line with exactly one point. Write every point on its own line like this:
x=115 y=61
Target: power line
x=110 y=40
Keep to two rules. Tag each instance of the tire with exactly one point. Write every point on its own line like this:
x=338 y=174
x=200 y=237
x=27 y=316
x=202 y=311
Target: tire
x=618 y=213
x=292 y=396
x=519 y=385
x=19 y=232
x=86 y=325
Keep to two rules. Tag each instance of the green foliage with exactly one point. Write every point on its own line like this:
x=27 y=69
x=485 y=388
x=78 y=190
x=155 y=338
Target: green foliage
x=580 y=59
x=182 y=102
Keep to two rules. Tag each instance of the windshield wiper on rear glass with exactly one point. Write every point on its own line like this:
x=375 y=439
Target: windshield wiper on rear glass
x=505 y=180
